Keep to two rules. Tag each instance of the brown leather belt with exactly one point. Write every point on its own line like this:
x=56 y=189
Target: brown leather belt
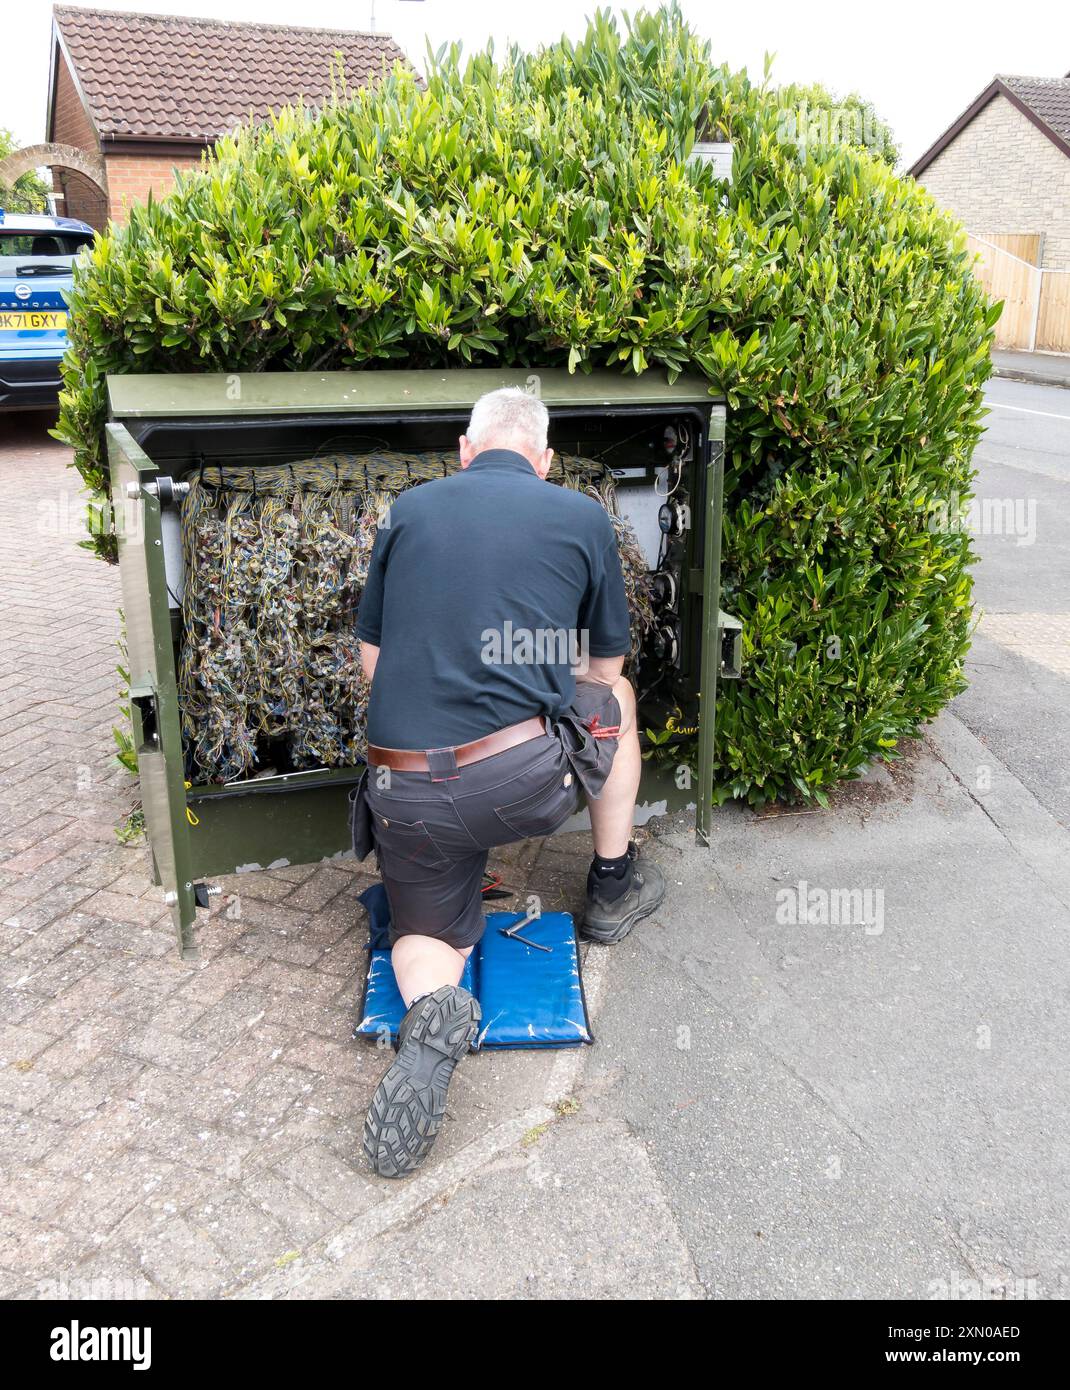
x=415 y=759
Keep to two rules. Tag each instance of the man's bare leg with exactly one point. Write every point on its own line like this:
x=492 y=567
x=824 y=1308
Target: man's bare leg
x=622 y=885
x=613 y=812
x=423 y=964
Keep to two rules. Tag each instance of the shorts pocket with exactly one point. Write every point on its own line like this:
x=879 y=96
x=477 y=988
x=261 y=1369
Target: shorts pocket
x=543 y=810
x=406 y=843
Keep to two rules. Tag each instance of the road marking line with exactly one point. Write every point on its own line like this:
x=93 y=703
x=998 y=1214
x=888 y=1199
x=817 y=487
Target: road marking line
x=1048 y=414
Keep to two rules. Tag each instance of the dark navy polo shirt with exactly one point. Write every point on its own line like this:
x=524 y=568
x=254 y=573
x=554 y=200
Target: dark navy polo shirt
x=483 y=588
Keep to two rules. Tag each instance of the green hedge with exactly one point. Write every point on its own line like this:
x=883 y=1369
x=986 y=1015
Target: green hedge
x=543 y=211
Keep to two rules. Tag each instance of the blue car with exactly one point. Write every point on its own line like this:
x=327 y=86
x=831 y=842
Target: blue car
x=36 y=255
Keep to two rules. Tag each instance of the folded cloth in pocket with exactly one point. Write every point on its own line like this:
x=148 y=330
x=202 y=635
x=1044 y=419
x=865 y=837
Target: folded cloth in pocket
x=360 y=818
x=587 y=731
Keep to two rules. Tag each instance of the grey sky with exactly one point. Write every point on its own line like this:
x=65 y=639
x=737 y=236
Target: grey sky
x=919 y=63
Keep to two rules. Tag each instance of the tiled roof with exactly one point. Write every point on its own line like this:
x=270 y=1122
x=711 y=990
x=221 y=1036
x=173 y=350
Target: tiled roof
x=1046 y=97
x=173 y=78
x=1043 y=100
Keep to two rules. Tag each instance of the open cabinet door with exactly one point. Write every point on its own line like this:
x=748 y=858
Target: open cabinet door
x=712 y=632
x=153 y=690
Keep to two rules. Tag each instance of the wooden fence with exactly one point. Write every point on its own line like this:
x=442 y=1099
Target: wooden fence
x=1036 y=301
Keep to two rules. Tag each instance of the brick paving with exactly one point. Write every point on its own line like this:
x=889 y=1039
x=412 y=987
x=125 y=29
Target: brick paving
x=167 y=1128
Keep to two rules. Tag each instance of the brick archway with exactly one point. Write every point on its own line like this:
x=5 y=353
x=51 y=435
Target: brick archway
x=82 y=164
x=63 y=156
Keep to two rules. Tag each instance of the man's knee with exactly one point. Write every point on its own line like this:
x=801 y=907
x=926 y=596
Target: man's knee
x=625 y=697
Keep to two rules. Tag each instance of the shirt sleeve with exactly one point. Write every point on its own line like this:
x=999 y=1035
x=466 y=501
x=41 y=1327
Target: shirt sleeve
x=370 y=610
x=604 y=614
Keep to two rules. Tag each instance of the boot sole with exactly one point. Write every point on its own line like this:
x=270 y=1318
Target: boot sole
x=409 y=1104
x=609 y=933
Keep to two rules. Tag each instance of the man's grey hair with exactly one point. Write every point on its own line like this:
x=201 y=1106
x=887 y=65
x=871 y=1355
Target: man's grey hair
x=509 y=418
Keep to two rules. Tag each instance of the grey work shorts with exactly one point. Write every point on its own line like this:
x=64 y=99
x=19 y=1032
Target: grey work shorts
x=432 y=831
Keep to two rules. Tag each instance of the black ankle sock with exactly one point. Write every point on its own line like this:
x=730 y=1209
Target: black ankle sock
x=610 y=868
x=611 y=877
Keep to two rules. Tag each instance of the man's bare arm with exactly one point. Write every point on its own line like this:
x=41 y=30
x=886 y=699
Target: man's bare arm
x=603 y=670
x=369 y=656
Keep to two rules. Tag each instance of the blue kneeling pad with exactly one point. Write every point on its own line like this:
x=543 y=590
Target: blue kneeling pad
x=529 y=998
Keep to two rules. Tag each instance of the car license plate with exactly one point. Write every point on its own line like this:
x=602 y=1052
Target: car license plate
x=33 y=318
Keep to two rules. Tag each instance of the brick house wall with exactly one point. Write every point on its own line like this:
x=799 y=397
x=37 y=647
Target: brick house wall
x=1001 y=175
x=71 y=126
x=131 y=176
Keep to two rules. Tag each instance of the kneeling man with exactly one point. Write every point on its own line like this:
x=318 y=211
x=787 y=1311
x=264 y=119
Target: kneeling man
x=493 y=629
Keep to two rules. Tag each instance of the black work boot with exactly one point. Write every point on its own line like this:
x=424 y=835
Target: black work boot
x=615 y=905
x=407 y=1109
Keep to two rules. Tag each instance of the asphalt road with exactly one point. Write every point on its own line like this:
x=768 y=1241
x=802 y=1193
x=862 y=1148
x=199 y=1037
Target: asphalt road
x=837 y=1111
x=1019 y=666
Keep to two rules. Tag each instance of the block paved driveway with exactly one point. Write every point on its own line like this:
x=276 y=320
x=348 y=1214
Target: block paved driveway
x=168 y=1128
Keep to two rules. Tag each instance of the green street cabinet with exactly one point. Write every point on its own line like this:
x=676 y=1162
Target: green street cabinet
x=663 y=443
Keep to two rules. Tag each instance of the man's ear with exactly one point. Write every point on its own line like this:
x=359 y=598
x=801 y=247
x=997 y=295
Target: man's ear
x=466 y=451
x=543 y=465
